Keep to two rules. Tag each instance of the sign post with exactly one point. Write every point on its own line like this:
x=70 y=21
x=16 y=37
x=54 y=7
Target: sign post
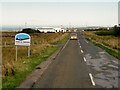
x=16 y=53
x=29 y=51
x=22 y=39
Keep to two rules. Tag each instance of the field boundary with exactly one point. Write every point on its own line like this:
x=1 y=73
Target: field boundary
x=36 y=74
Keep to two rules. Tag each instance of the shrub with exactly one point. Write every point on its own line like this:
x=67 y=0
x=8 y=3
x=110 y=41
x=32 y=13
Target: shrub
x=29 y=30
x=102 y=33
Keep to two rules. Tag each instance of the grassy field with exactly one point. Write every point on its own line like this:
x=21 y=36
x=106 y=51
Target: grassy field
x=110 y=43
x=42 y=46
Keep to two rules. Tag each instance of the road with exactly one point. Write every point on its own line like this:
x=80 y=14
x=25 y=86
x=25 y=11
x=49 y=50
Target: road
x=81 y=65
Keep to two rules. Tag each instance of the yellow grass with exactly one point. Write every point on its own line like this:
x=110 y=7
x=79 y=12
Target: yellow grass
x=39 y=41
x=109 y=41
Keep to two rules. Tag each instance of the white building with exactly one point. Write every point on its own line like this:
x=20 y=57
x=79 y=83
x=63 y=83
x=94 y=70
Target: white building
x=63 y=30
x=46 y=29
x=118 y=25
x=60 y=30
x=57 y=29
x=51 y=29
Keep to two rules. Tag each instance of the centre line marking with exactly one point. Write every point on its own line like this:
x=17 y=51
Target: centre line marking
x=65 y=44
x=84 y=59
x=91 y=77
x=81 y=51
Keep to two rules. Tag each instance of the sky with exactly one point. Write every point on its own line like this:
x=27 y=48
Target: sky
x=67 y=13
x=59 y=0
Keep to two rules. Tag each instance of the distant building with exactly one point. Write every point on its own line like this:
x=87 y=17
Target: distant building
x=118 y=25
x=62 y=30
x=57 y=29
x=108 y=28
x=51 y=29
x=75 y=30
x=46 y=29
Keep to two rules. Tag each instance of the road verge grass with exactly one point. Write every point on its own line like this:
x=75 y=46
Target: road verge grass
x=111 y=52
x=61 y=41
x=26 y=65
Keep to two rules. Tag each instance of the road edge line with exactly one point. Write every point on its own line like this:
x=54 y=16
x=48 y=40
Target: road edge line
x=65 y=44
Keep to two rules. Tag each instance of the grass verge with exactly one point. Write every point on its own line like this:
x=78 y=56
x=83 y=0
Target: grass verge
x=62 y=41
x=115 y=54
x=27 y=65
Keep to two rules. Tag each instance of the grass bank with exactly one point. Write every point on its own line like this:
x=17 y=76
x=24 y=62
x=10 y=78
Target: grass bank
x=14 y=72
x=106 y=42
x=28 y=65
x=115 y=54
x=62 y=41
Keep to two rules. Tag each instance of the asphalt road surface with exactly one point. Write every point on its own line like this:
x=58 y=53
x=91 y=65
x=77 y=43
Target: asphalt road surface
x=81 y=65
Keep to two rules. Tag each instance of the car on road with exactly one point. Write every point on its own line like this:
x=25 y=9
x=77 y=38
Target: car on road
x=73 y=36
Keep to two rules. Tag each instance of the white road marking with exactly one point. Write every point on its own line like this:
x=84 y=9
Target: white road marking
x=80 y=46
x=113 y=66
x=86 y=41
x=81 y=51
x=84 y=59
x=102 y=52
x=115 y=61
x=91 y=77
x=65 y=45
